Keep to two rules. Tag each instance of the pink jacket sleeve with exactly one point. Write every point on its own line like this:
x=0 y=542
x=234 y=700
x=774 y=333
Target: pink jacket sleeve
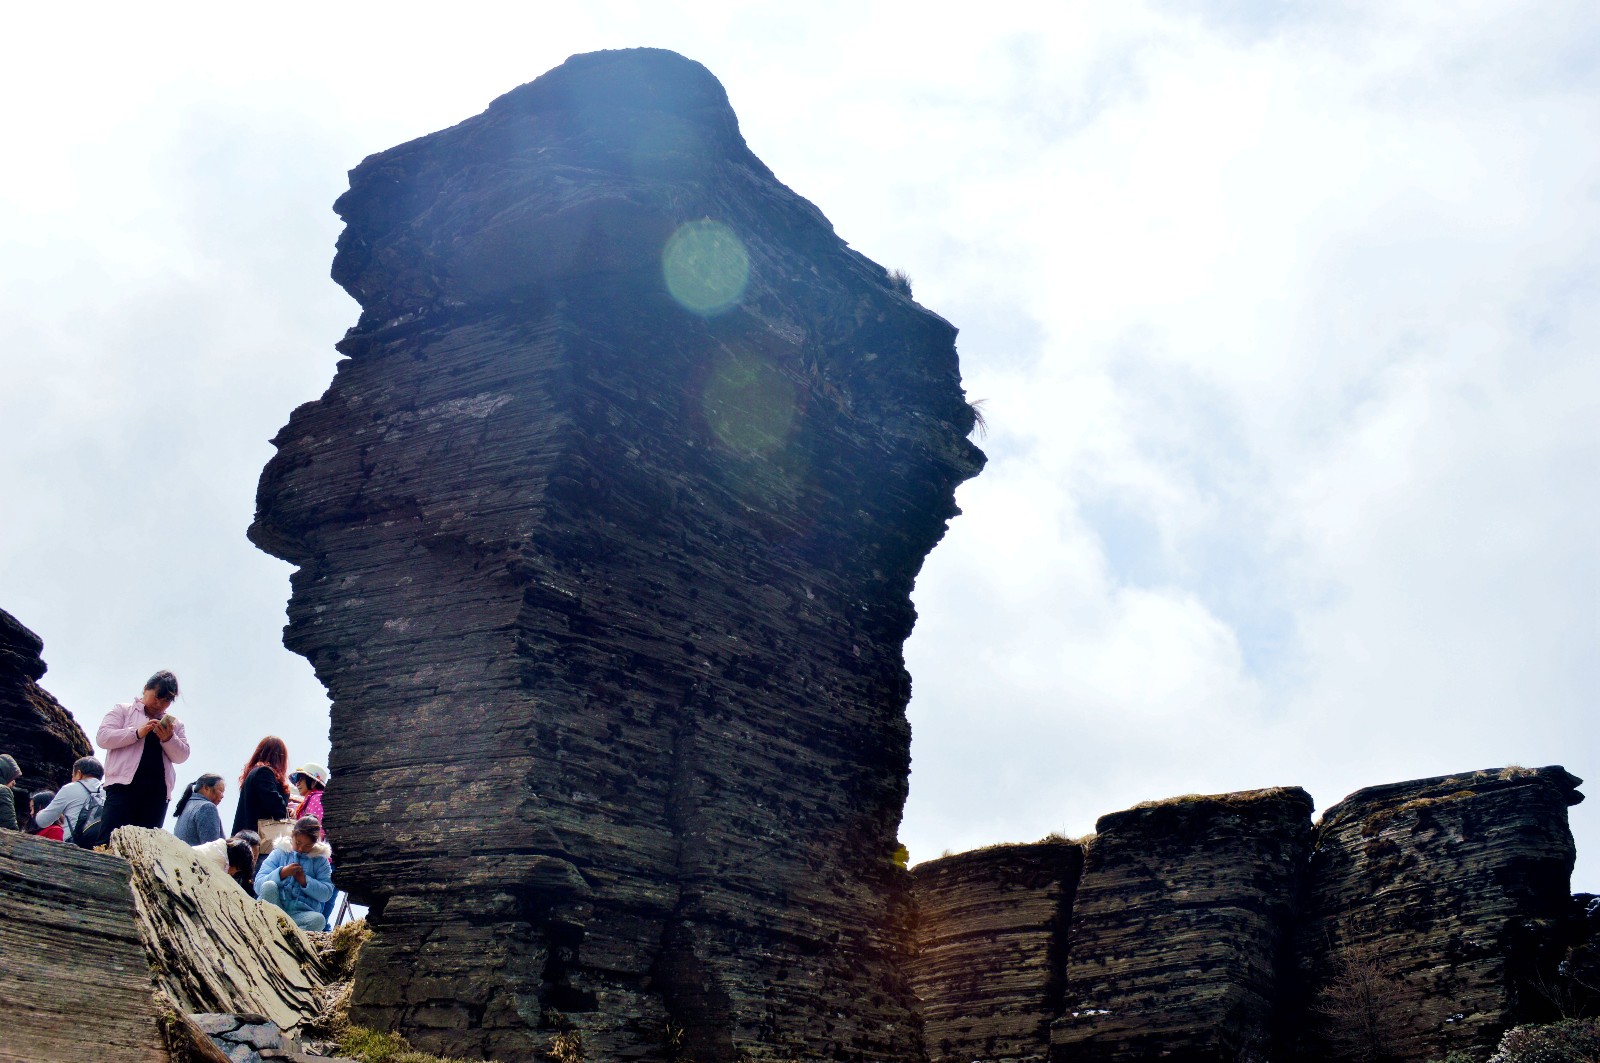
x=177 y=747
x=115 y=733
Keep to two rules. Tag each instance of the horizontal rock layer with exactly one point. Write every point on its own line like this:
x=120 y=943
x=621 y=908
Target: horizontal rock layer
x=1446 y=893
x=1415 y=920
x=990 y=960
x=73 y=972
x=1179 y=927
x=605 y=533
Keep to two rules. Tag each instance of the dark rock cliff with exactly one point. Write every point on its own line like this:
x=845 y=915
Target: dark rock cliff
x=34 y=727
x=605 y=535
x=1181 y=921
x=1416 y=919
x=1448 y=894
x=991 y=957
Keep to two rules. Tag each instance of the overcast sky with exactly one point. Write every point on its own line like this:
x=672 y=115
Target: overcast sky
x=1284 y=316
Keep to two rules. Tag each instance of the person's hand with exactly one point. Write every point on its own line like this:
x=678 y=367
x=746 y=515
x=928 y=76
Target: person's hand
x=166 y=727
x=294 y=871
x=146 y=727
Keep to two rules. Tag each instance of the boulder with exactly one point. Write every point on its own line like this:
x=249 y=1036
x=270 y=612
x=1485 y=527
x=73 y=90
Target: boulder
x=213 y=947
x=605 y=535
x=990 y=965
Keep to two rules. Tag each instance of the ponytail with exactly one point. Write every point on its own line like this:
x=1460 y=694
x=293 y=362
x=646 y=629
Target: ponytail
x=210 y=778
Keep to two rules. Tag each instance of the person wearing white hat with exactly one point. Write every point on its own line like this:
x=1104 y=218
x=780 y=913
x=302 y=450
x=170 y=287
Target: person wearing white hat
x=310 y=779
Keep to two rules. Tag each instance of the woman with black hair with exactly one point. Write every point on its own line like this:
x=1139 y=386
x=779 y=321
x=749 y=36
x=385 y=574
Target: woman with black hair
x=142 y=741
x=198 y=819
x=234 y=857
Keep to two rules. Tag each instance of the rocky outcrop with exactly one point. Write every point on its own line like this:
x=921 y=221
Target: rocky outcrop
x=213 y=947
x=1180 y=925
x=74 y=978
x=34 y=728
x=1415 y=920
x=1448 y=894
x=990 y=962
x=605 y=535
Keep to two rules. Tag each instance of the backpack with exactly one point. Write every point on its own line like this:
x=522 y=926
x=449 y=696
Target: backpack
x=89 y=829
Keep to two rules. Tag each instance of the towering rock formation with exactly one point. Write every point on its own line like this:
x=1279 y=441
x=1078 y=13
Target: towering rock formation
x=991 y=950
x=34 y=727
x=1449 y=895
x=1181 y=922
x=606 y=532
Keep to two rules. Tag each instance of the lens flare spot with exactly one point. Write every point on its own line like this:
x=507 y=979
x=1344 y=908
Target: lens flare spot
x=749 y=405
x=706 y=267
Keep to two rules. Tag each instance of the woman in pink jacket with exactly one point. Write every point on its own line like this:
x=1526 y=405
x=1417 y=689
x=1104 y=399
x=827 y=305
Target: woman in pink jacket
x=142 y=743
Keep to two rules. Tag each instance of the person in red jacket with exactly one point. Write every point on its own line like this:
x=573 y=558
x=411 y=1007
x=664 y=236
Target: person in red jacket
x=142 y=742
x=41 y=799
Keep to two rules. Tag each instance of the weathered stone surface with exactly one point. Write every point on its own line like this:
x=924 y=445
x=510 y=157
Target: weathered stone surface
x=73 y=976
x=1180 y=923
x=990 y=964
x=34 y=727
x=212 y=947
x=610 y=593
x=1449 y=893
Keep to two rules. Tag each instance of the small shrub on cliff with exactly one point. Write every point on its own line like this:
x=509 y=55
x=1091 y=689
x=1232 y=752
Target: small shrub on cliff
x=374 y=1046
x=900 y=281
x=342 y=948
x=1570 y=1041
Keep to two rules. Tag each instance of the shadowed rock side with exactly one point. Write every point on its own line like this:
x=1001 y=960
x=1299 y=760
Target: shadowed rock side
x=991 y=949
x=606 y=532
x=1448 y=894
x=74 y=978
x=34 y=728
x=1181 y=921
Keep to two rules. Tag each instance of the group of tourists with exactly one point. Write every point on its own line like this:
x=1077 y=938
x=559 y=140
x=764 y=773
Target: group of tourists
x=275 y=851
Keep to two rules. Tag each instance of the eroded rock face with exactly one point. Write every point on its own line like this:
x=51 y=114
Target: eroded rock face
x=1181 y=922
x=74 y=977
x=606 y=532
x=213 y=947
x=1450 y=893
x=990 y=963
x=34 y=727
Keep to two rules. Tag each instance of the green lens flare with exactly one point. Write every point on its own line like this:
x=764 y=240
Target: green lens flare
x=749 y=405
x=706 y=267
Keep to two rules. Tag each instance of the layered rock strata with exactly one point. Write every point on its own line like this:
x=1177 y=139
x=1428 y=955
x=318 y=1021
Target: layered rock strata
x=213 y=947
x=990 y=962
x=74 y=976
x=605 y=534
x=34 y=727
x=1450 y=896
x=1180 y=926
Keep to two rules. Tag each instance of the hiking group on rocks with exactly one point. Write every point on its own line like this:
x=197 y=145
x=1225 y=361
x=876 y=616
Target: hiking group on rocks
x=276 y=851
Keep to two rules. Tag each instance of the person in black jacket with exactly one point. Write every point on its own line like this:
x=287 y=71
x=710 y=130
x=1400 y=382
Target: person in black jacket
x=263 y=785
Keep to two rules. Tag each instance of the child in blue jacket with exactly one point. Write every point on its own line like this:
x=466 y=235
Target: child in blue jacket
x=297 y=875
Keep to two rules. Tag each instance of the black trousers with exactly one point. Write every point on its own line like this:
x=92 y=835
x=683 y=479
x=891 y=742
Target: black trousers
x=127 y=806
